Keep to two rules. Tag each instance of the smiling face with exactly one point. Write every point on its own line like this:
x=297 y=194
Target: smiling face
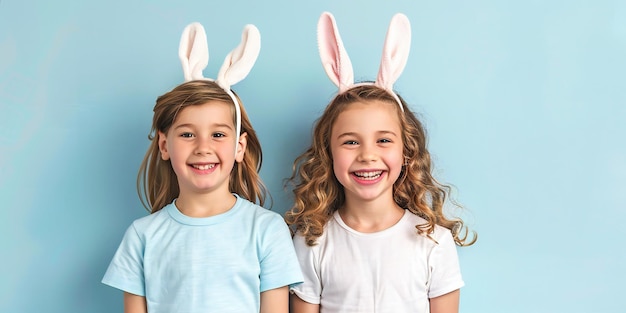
x=366 y=146
x=200 y=145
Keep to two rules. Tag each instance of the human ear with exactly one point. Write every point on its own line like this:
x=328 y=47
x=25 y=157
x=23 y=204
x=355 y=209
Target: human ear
x=242 y=143
x=163 y=146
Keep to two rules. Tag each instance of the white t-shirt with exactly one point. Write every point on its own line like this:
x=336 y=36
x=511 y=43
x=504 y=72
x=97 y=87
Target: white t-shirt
x=394 y=270
x=215 y=264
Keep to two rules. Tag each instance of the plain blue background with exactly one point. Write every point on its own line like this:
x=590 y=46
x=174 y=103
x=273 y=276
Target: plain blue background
x=525 y=103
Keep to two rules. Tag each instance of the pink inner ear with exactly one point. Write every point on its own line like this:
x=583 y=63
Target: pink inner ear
x=334 y=57
x=328 y=48
x=395 y=52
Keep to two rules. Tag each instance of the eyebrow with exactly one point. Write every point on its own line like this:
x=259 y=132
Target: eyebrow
x=217 y=125
x=380 y=132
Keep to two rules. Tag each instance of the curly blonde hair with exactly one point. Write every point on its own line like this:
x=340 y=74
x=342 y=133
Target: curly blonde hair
x=157 y=184
x=318 y=193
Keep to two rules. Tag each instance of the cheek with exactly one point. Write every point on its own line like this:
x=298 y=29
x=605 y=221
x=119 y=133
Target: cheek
x=340 y=172
x=336 y=164
x=339 y=159
x=397 y=158
x=339 y=164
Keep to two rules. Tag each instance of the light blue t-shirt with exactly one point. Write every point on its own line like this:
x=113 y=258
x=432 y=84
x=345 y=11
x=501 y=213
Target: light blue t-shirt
x=215 y=264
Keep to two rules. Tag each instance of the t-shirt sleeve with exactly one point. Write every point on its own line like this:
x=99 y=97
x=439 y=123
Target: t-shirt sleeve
x=125 y=271
x=278 y=261
x=445 y=271
x=311 y=289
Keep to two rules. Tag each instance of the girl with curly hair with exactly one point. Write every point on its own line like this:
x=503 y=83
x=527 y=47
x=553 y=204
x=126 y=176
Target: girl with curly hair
x=370 y=231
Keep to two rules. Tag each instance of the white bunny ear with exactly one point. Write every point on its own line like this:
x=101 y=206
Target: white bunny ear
x=395 y=52
x=333 y=54
x=240 y=61
x=193 y=51
x=238 y=64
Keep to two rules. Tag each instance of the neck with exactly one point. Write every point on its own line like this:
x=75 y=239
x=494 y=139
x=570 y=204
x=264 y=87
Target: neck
x=205 y=205
x=370 y=216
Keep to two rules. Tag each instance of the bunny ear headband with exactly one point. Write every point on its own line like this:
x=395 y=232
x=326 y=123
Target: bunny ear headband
x=337 y=63
x=194 y=55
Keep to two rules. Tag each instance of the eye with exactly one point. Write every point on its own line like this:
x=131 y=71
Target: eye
x=384 y=140
x=186 y=135
x=350 y=142
x=219 y=135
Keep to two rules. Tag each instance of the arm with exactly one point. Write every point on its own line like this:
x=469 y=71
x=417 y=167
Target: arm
x=275 y=300
x=134 y=303
x=300 y=306
x=448 y=303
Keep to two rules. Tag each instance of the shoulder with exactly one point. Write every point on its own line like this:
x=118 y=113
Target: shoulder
x=260 y=218
x=443 y=236
x=150 y=222
x=258 y=212
x=302 y=248
x=331 y=226
x=440 y=234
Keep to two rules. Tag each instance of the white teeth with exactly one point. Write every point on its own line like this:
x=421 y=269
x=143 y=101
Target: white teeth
x=204 y=167
x=368 y=175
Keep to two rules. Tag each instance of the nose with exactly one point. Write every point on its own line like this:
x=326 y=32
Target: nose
x=204 y=146
x=367 y=153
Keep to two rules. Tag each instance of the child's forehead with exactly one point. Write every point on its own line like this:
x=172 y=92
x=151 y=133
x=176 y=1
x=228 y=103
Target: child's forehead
x=370 y=105
x=209 y=111
x=367 y=114
x=210 y=105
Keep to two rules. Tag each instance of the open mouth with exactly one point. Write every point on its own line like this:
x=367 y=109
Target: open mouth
x=203 y=167
x=368 y=175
